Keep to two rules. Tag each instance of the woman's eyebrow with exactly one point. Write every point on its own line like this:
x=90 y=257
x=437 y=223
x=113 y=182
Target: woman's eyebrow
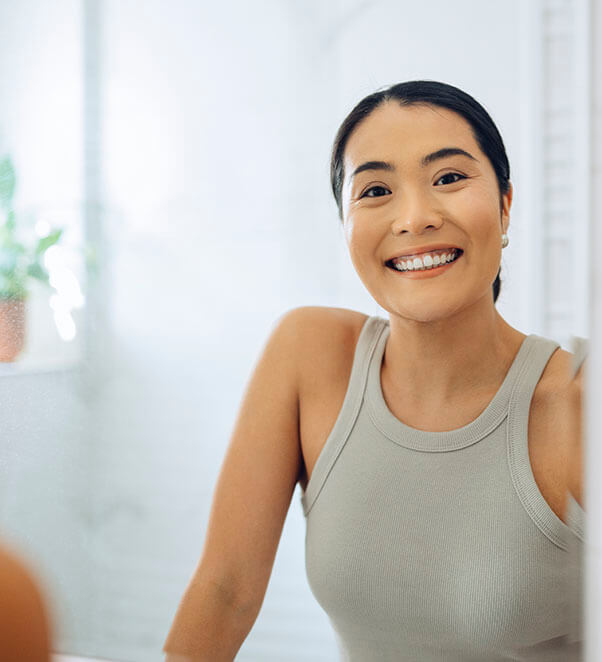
x=426 y=160
x=442 y=153
x=373 y=165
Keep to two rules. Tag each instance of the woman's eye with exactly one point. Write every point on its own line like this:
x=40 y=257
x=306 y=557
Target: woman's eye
x=379 y=192
x=452 y=174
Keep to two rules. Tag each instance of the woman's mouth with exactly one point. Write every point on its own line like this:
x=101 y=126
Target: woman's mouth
x=427 y=264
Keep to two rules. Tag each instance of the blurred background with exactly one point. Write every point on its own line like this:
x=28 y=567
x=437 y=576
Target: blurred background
x=182 y=149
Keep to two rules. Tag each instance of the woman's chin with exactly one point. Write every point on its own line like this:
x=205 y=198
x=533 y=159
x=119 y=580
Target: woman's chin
x=439 y=308
x=425 y=312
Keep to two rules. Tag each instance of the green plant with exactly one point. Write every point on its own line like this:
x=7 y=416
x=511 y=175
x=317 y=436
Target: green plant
x=19 y=261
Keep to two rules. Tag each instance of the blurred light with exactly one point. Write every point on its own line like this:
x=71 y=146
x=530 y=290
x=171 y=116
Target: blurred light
x=54 y=257
x=68 y=292
x=65 y=283
x=65 y=325
x=58 y=304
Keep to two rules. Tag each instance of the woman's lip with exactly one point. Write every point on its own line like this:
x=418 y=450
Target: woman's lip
x=426 y=273
x=423 y=250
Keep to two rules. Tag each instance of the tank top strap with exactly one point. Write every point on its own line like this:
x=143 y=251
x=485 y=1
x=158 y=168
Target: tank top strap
x=531 y=369
x=518 y=451
x=349 y=410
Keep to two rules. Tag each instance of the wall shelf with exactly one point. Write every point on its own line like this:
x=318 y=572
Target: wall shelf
x=39 y=366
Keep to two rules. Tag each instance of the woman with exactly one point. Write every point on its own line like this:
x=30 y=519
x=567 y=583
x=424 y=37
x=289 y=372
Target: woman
x=436 y=526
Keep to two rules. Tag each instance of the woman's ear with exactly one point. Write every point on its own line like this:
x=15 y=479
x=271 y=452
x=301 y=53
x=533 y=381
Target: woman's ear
x=506 y=204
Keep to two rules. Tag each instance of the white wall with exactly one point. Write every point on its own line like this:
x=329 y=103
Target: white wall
x=214 y=171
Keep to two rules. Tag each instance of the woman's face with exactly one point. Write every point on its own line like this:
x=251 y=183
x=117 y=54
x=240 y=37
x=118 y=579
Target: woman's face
x=399 y=202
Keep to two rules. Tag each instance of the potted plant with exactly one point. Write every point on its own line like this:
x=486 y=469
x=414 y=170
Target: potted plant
x=19 y=261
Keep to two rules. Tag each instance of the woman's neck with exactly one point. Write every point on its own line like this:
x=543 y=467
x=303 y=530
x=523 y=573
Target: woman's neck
x=436 y=363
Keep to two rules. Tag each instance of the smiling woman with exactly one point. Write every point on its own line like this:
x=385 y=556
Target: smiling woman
x=444 y=195
x=431 y=447
x=438 y=98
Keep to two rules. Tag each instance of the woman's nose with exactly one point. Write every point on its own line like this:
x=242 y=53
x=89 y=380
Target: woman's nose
x=415 y=214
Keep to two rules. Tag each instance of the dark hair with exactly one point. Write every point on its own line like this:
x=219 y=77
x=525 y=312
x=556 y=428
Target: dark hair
x=433 y=93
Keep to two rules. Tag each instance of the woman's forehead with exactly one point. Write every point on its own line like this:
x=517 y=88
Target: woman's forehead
x=406 y=134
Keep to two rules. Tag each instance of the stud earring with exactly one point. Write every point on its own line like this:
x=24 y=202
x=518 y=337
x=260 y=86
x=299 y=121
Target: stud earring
x=505 y=240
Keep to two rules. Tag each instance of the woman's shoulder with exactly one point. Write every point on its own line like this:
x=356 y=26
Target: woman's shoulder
x=325 y=339
x=322 y=321
x=564 y=368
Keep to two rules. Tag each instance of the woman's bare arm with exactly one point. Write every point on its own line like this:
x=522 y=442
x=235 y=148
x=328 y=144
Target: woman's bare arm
x=575 y=466
x=250 y=502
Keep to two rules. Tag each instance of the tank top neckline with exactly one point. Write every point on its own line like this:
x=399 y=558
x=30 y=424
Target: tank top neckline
x=436 y=441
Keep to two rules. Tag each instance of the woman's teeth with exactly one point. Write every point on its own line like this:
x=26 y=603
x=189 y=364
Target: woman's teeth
x=425 y=262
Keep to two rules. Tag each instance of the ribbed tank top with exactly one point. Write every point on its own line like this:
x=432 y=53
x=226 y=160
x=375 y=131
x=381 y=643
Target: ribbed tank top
x=439 y=546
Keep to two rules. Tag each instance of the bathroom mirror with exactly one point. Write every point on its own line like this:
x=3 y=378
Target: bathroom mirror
x=186 y=149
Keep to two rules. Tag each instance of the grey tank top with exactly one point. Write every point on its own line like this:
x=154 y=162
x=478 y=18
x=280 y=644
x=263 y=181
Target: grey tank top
x=428 y=546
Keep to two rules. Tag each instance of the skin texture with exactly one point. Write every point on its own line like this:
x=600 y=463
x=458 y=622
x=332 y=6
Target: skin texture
x=448 y=344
